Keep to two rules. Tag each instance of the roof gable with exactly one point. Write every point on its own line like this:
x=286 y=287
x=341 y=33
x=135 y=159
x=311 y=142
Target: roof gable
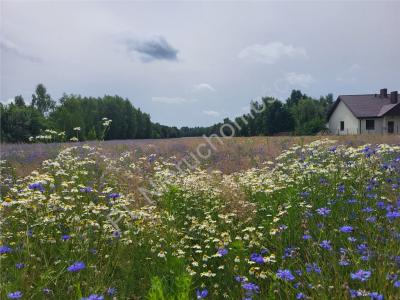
x=366 y=106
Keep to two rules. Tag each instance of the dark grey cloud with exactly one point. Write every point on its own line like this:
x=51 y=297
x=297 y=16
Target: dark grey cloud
x=155 y=48
x=9 y=46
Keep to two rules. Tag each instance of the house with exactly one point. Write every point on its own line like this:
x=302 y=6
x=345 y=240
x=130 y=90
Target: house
x=371 y=113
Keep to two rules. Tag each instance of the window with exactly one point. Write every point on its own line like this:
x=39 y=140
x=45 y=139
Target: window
x=341 y=125
x=370 y=124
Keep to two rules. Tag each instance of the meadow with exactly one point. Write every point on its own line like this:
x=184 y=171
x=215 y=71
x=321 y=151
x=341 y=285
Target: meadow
x=259 y=218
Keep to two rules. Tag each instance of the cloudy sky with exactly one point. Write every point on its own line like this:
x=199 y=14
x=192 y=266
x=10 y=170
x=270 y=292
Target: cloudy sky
x=196 y=63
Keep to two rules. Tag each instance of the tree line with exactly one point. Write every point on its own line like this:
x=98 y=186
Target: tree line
x=299 y=114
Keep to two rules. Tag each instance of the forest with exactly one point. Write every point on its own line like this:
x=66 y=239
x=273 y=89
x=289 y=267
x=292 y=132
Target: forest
x=21 y=121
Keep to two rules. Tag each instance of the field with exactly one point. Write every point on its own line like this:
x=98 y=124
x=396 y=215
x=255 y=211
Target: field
x=252 y=218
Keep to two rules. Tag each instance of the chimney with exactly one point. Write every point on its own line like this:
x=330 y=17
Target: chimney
x=394 y=96
x=383 y=93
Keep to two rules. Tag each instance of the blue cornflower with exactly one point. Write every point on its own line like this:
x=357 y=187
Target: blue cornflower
x=351 y=239
x=352 y=201
x=15 y=295
x=257 y=258
x=5 y=249
x=114 y=195
x=304 y=194
x=222 y=251
x=285 y=275
x=65 y=237
x=371 y=219
x=201 y=294
x=393 y=215
x=325 y=244
x=391 y=276
x=323 y=211
x=283 y=227
x=252 y=287
x=94 y=297
x=346 y=229
x=47 y=291
x=396 y=284
x=367 y=209
x=380 y=204
x=240 y=278
x=361 y=275
x=355 y=293
x=111 y=291
x=37 y=186
x=20 y=265
x=289 y=252
x=116 y=234
x=362 y=249
x=300 y=296
x=344 y=262
x=375 y=296
x=77 y=266
x=86 y=190
x=297 y=285
x=307 y=237
x=313 y=267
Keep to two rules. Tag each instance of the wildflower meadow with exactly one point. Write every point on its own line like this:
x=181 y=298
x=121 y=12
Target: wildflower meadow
x=320 y=221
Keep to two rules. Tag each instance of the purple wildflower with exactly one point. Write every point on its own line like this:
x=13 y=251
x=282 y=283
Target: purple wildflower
x=323 y=211
x=94 y=297
x=393 y=215
x=248 y=286
x=240 y=278
x=5 y=249
x=257 y=258
x=222 y=251
x=201 y=294
x=375 y=296
x=325 y=244
x=300 y=296
x=285 y=275
x=114 y=195
x=361 y=275
x=37 y=186
x=77 y=266
x=86 y=190
x=346 y=229
x=14 y=295
x=20 y=266
x=111 y=291
x=65 y=237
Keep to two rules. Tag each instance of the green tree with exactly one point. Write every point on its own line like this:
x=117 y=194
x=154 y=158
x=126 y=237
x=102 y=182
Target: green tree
x=19 y=101
x=42 y=100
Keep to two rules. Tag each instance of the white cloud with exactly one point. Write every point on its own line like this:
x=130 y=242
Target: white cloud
x=211 y=113
x=9 y=46
x=272 y=52
x=172 y=100
x=203 y=87
x=298 y=79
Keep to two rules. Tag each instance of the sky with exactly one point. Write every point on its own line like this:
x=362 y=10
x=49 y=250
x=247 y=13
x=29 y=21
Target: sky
x=195 y=63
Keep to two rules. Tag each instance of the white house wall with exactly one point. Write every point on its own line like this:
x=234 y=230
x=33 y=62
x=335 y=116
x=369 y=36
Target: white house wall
x=378 y=126
x=342 y=113
x=395 y=119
